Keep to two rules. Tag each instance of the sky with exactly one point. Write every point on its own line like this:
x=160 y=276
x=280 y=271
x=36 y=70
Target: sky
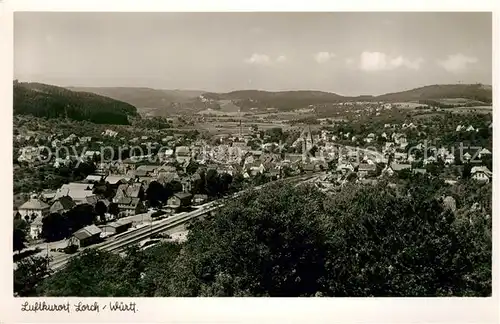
x=349 y=53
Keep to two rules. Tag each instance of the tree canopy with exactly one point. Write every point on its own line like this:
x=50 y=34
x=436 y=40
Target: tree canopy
x=298 y=241
x=49 y=101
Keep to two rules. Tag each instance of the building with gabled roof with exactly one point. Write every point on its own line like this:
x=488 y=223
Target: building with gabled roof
x=130 y=206
x=62 y=205
x=481 y=173
x=86 y=236
x=179 y=201
x=133 y=190
x=34 y=208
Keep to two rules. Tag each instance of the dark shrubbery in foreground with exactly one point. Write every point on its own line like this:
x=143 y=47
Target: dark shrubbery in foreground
x=291 y=241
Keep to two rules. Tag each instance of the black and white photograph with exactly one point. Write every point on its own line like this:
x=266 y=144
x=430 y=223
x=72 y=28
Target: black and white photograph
x=252 y=154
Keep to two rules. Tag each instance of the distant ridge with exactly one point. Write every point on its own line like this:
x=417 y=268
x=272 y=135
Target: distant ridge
x=43 y=100
x=143 y=97
x=178 y=100
x=286 y=100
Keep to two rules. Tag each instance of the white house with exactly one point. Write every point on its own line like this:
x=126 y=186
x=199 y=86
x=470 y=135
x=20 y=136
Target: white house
x=481 y=173
x=484 y=152
x=34 y=208
x=429 y=160
x=370 y=138
x=36 y=228
x=110 y=133
x=450 y=159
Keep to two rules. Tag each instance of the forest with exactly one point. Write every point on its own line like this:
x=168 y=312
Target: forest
x=42 y=100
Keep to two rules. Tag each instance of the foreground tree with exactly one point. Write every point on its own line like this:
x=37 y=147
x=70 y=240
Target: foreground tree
x=28 y=274
x=262 y=245
x=362 y=242
x=55 y=227
x=298 y=241
x=19 y=238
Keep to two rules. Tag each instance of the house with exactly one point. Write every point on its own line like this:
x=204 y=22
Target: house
x=187 y=182
x=91 y=154
x=429 y=160
x=62 y=205
x=400 y=157
x=110 y=133
x=450 y=182
x=481 y=173
x=34 y=208
x=459 y=128
x=470 y=129
x=179 y=201
x=388 y=145
x=77 y=191
x=85 y=139
x=449 y=159
x=467 y=156
x=56 y=143
x=166 y=154
x=86 y=236
x=70 y=139
x=134 y=190
x=47 y=195
x=130 y=206
x=116 y=180
x=484 y=152
x=250 y=159
x=199 y=199
x=117 y=227
x=168 y=177
x=420 y=171
x=308 y=168
x=370 y=138
x=147 y=169
x=364 y=169
x=382 y=159
x=93 y=178
x=29 y=154
x=164 y=169
x=36 y=227
x=182 y=154
x=345 y=167
x=145 y=180
x=256 y=168
x=395 y=167
x=256 y=153
x=400 y=167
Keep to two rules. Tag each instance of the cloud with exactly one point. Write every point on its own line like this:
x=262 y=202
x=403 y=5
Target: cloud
x=258 y=59
x=263 y=59
x=256 y=30
x=323 y=57
x=281 y=59
x=377 y=61
x=457 y=63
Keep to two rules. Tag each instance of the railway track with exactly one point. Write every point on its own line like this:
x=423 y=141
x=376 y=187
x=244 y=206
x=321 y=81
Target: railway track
x=117 y=244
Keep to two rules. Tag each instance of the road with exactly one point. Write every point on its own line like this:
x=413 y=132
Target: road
x=120 y=242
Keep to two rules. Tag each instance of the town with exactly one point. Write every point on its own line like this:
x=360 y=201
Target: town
x=176 y=172
x=252 y=155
